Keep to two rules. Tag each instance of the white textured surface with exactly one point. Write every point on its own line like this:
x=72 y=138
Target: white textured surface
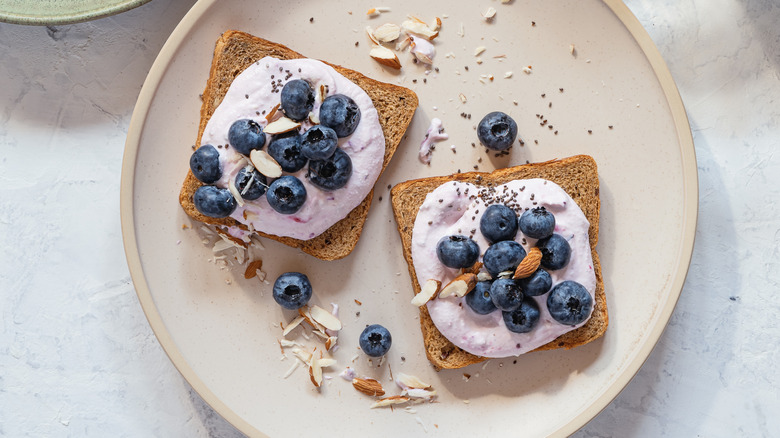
x=77 y=357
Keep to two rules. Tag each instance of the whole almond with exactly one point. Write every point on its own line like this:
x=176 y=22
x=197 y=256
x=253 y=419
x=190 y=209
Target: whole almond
x=529 y=265
x=368 y=386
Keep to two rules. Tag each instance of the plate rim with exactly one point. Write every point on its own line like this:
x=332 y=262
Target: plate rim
x=602 y=400
x=72 y=17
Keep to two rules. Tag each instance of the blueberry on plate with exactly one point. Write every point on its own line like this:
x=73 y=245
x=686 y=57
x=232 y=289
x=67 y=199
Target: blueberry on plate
x=555 y=252
x=457 y=251
x=537 y=223
x=497 y=131
x=292 y=290
x=214 y=202
x=537 y=284
x=286 y=150
x=246 y=135
x=498 y=223
x=340 y=113
x=569 y=303
x=297 y=99
x=286 y=194
x=250 y=183
x=524 y=318
x=503 y=256
x=204 y=164
x=479 y=299
x=332 y=173
x=506 y=295
x=375 y=340
x=319 y=142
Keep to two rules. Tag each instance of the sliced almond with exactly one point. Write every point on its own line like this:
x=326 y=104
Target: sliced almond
x=403 y=44
x=407 y=381
x=236 y=194
x=478 y=51
x=418 y=27
x=421 y=393
x=392 y=400
x=436 y=24
x=387 y=32
x=305 y=313
x=327 y=362
x=370 y=33
x=427 y=293
x=330 y=342
x=372 y=12
x=314 y=118
x=302 y=354
x=252 y=268
x=385 y=56
x=315 y=372
x=368 y=386
x=291 y=326
x=271 y=116
x=474 y=269
x=529 y=264
x=325 y=318
x=281 y=126
x=460 y=286
x=265 y=163
x=506 y=274
x=489 y=14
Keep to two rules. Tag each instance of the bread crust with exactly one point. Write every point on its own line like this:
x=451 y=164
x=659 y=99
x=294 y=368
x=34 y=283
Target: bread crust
x=577 y=175
x=395 y=105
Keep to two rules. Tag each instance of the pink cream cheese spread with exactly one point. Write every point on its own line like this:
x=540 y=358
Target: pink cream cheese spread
x=456 y=208
x=251 y=96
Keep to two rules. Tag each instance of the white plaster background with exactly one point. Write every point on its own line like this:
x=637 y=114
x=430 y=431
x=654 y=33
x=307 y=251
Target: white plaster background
x=77 y=357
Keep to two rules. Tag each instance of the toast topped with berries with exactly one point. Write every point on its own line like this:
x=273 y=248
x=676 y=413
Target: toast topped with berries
x=577 y=176
x=395 y=106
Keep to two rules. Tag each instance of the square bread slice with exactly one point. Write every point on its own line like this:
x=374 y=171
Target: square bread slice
x=577 y=175
x=234 y=52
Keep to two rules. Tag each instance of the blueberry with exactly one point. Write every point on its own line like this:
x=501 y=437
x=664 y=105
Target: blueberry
x=555 y=252
x=503 y=256
x=319 y=143
x=524 y=318
x=332 y=173
x=204 y=164
x=292 y=290
x=537 y=284
x=375 y=340
x=479 y=298
x=569 y=303
x=297 y=99
x=255 y=181
x=286 y=194
x=506 y=295
x=246 y=135
x=340 y=113
x=497 y=131
x=457 y=251
x=498 y=223
x=537 y=223
x=286 y=150
x=214 y=202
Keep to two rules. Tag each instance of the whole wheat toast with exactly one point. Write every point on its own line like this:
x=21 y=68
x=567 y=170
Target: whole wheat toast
x=576 y=175
x=395 y=105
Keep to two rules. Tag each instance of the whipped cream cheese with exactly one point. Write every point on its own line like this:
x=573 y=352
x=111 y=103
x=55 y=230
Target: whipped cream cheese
x=456 y=208
x=252 y=95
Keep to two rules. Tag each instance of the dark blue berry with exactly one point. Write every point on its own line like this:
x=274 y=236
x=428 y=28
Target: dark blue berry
x=340 y=113
x=479 y=299
x=497 y=131
x=204 y=164
x=506 y=295
x=524 y=318
x=319 y=143
x=251 y=184
x=537 y=223
x=503 y=256
x=297 y=99
x=286 y=194
x=457 y=251
x=286 y=150
x=555 y=252
x=332 y=173
x=246 y=135
x=214 y=202
x=375 y=340
x=498 y=223
x=537 y=284
x=292 y=290
x=569 y=303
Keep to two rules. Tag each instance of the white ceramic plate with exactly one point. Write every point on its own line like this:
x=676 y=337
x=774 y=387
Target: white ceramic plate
x=221 y=331
x=49 y=12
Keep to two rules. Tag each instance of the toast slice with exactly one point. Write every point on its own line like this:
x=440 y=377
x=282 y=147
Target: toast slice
x=395 y=105
x=576 y=175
